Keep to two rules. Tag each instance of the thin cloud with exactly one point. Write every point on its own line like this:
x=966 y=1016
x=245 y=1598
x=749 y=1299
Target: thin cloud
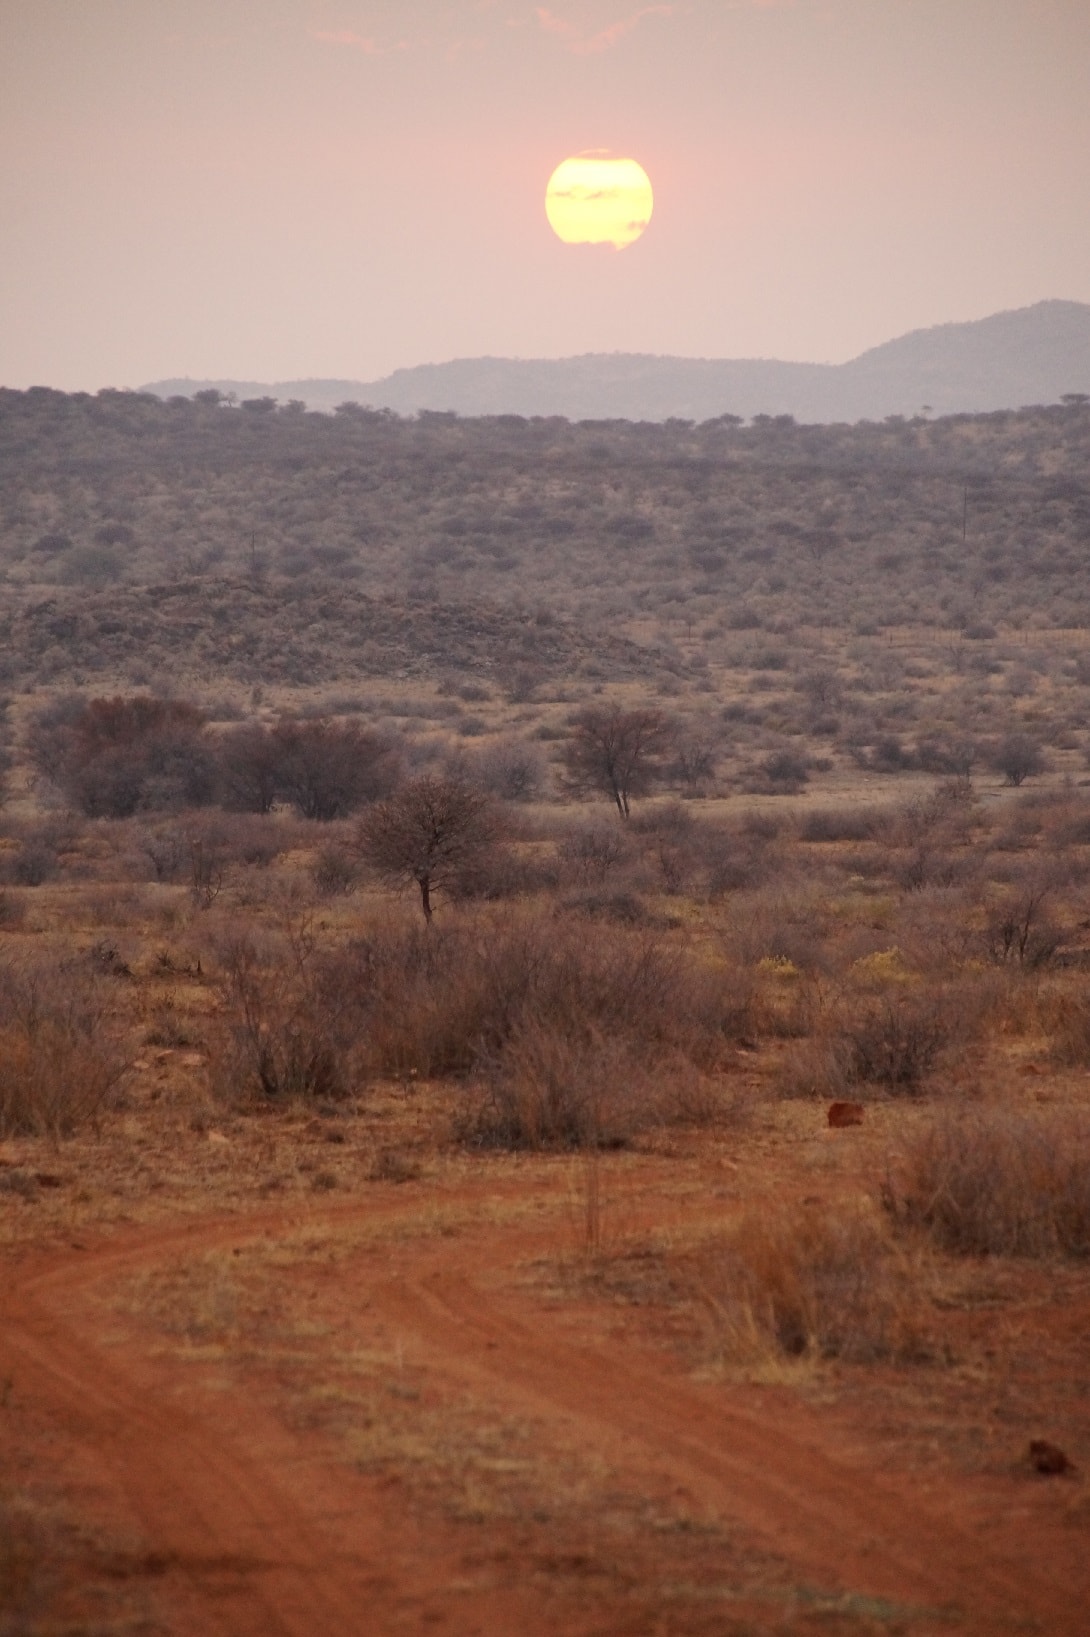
x=582 y=44
x=358 y=42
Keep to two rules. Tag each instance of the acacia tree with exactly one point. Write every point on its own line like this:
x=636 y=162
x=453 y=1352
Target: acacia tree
x=1018 y=757
x=616 y=751
x=429 y=833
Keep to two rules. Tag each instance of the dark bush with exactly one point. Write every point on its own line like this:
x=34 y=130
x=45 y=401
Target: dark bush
x=1018 y=757
x=784 y=772
x=118 y=756
x=330 y=769
x=35 y=863
x=61 y=1059
x=994 y=1182
x=511 y=770
x=832 y=824
x=896 y=1042
x=283 y=1037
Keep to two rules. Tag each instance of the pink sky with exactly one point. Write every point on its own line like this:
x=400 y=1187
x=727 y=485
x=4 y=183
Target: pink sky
x=269 y=189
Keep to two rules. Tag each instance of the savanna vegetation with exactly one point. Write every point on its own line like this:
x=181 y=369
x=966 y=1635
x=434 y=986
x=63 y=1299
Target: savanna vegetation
x=456 y=795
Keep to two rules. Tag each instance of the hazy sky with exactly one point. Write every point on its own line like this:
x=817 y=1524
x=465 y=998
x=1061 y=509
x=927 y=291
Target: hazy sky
x=269 y=189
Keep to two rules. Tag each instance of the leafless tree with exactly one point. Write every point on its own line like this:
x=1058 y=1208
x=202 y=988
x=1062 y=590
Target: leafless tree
x=511 y=769
x=1018 y=757
x=249 y=762
x=616 y=751
x=328 y=769
x=325 y=769
x=431 y=832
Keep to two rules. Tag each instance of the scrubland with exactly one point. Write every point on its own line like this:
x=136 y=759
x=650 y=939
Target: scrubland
x=502 y=1266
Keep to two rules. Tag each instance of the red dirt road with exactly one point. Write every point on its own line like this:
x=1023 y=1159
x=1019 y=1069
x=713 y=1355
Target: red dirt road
x=253 y=1525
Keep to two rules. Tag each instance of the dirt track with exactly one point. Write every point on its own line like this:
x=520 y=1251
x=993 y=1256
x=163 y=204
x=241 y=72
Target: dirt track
x=253 y=1526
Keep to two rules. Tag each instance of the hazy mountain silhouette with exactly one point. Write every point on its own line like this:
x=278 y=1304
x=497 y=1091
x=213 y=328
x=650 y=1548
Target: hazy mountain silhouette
x=1033 y=355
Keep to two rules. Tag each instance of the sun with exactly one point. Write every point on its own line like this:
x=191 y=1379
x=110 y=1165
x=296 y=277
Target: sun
x=597 y=198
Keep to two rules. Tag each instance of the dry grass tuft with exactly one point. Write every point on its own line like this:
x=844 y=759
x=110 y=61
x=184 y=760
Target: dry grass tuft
x=811 y=1284
x=280 y=1037
x=895 y=1041
x=578 y=1034
x=60 y=1058
x=558 y=1088
x=993 y=1182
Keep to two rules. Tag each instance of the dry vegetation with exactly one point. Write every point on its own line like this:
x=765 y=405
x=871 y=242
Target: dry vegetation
x=737 y=771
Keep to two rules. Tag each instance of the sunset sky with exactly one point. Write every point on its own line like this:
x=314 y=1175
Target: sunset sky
x=271 y=189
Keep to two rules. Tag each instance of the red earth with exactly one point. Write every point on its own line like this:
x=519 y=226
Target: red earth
x=419 y=1408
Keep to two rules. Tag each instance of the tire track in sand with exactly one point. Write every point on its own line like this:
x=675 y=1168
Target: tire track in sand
x=267 y=1537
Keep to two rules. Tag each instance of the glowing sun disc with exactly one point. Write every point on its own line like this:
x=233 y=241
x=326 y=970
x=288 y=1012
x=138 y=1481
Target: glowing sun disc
x=595 y=198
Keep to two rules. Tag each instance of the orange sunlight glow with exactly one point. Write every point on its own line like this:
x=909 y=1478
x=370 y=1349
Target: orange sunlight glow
x=595 y=198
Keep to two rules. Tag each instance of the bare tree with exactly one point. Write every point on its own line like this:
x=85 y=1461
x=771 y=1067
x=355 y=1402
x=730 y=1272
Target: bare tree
x=431 y=832
x=328 y=769
x=250 y=768
x=325 y=769
x=1018 y=757
x=511 y=769
x=616 y=751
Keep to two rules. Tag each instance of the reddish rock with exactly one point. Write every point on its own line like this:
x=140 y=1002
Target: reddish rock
x=841 y=1114
x=1049 y=1459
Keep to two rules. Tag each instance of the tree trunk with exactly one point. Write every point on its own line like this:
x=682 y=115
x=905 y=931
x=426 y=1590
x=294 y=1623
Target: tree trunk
x=425 y=896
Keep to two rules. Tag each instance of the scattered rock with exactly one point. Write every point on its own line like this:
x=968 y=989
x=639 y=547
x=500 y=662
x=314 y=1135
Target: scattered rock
x=1049 y=1459
x=842 y=1114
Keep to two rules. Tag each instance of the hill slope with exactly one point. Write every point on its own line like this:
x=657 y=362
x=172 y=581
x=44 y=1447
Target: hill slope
x=1029 y=356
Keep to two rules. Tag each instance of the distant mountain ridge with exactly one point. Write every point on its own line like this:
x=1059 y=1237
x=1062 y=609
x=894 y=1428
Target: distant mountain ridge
x=1031 y=355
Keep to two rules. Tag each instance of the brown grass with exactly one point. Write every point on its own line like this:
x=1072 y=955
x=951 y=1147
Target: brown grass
x=996 y=1182
x=811 y=1284
x=557 y=1088
x=61 y=1060
x=580 y=1032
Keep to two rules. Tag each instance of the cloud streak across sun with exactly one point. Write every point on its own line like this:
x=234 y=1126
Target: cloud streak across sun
x=598 y=199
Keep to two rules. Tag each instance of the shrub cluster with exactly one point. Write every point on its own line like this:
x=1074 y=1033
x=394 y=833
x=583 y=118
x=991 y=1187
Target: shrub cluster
x=115 y=757
x=569 y=1035
x=60 y=1057
x=993 y=1182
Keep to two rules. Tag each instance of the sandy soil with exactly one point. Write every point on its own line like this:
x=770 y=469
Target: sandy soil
x=365 y=1407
